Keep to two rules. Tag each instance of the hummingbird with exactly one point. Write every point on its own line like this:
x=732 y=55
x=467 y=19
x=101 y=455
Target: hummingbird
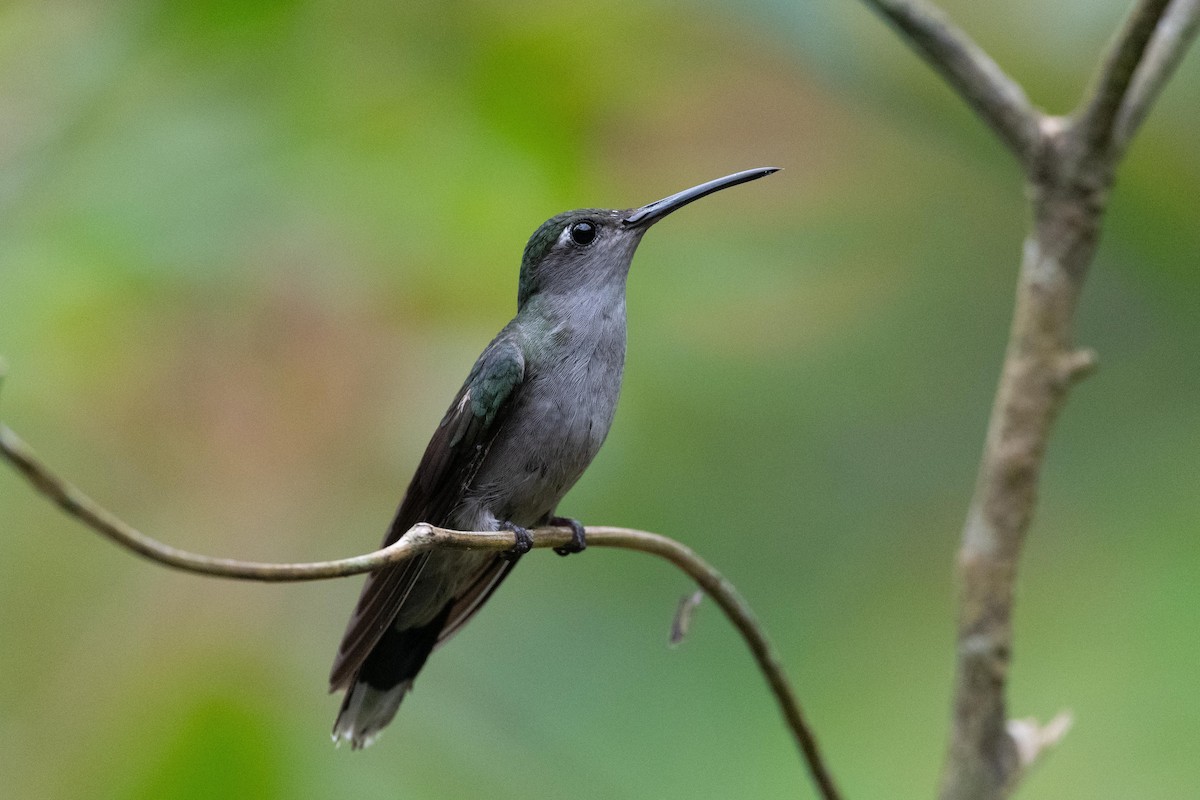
x=529 y=419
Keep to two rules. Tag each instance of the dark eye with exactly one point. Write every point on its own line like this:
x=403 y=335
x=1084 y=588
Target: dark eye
x=582 y=233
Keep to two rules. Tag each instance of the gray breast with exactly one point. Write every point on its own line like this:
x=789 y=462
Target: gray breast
x=561 y=416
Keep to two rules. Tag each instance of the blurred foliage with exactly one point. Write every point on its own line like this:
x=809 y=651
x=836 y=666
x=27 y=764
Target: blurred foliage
x=249 y=250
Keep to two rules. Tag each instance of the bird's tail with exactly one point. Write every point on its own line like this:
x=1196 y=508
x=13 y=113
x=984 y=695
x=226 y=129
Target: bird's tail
x=365 y=712
x=385 y=677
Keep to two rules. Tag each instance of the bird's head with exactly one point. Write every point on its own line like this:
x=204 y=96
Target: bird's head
x=591 y=248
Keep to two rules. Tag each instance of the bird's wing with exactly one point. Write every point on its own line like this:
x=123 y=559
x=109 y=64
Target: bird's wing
x=454 y=455
x=466 y=604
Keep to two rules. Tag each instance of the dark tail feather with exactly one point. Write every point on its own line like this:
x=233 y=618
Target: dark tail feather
x=384 y=678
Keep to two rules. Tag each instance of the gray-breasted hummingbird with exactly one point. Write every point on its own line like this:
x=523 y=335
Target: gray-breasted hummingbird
x=529 y=419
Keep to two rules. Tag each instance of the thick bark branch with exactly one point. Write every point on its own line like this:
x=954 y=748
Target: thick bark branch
x=1070 y=166
x=996 y=98
x=1041 y=364
x=1175 y=32
x=421 y=538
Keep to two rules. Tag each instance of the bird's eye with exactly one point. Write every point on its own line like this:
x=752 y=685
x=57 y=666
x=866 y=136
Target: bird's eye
x=583 y=233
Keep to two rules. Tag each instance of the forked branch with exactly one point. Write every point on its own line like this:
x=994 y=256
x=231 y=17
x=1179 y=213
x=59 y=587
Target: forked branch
x=1070 y=164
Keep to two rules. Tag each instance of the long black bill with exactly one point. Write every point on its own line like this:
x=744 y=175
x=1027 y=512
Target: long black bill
x=650 y=214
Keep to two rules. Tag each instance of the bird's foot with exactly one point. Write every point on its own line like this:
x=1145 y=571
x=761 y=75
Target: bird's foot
x=578 y=540
x=524 y=541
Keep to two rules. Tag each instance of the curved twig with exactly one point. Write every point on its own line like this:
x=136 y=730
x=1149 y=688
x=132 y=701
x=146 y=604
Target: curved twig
x=423 y=537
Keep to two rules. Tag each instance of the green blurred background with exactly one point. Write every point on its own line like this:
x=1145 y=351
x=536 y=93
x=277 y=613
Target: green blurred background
x=249 y=251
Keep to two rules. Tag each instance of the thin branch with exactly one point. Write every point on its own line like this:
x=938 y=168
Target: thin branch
x=423 y=537
x=1111 y=83
x=1175 y=33
x=983 y=85
x=75 y=503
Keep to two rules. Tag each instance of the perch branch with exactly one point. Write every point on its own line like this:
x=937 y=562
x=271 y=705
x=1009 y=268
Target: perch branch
x=998 y=100
x=423 y=537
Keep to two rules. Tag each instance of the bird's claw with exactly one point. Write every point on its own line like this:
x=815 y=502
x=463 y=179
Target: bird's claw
x=523 y=544
x=578 y=540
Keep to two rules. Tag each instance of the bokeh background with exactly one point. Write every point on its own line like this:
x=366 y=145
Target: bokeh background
x=248 y=251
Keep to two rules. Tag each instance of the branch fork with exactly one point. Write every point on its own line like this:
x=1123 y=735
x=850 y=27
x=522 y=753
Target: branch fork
x=1069 y=163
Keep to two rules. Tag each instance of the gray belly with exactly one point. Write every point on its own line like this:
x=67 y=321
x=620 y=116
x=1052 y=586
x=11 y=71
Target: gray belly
x=549 y=439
